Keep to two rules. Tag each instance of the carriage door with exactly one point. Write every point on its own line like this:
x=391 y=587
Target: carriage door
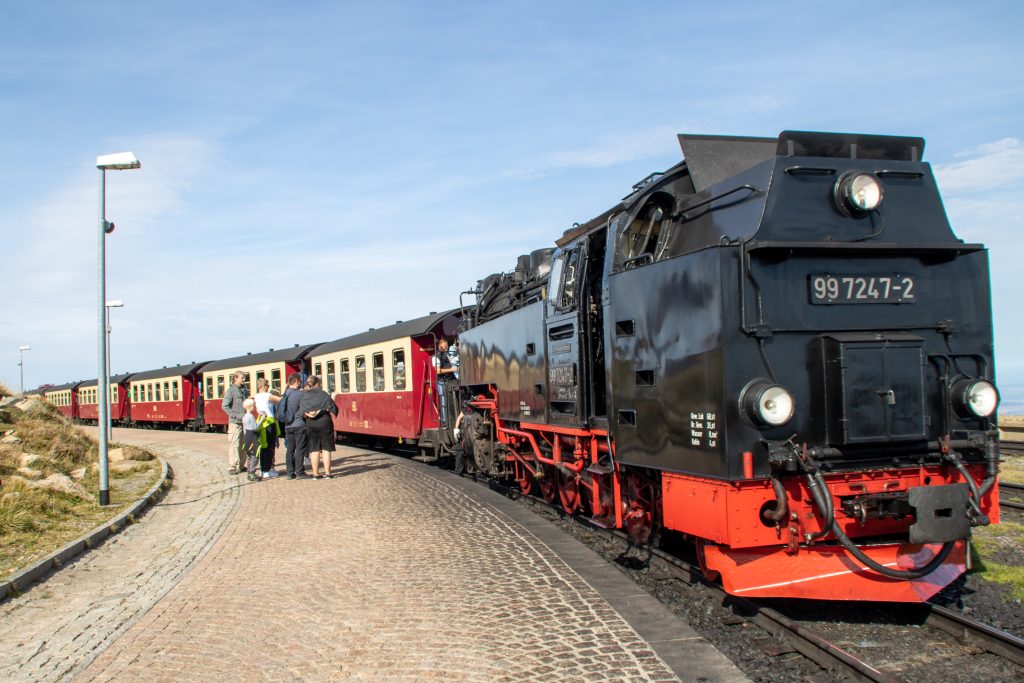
x=563 y=340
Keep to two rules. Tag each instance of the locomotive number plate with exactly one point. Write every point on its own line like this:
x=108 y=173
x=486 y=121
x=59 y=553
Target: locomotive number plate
x=827 y=288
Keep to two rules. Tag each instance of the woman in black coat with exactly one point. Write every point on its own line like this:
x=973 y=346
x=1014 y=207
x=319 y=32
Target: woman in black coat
x=317 y=406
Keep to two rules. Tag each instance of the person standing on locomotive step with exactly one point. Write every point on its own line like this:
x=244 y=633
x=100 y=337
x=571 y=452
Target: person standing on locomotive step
x=268 y=426
x=446 y=367
x=232 y=405
x=295 y=443
x=316 y=407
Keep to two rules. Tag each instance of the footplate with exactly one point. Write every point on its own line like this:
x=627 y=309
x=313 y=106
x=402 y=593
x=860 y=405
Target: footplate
x=941 y=513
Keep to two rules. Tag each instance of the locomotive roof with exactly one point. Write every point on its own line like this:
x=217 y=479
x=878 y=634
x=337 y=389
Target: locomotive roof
x=287 y=355
x=175 y=371
x=114 y=379
x=407 y=328
x=711 y=159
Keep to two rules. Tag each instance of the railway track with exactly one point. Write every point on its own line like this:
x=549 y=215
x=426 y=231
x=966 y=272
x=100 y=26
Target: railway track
x=814 y=646
x=1007 y=489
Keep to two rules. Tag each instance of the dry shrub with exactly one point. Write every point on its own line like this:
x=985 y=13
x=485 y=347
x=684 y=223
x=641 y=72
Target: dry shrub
x=57 y=439
x=4 y=391
x=10 y=459
x=137 y=454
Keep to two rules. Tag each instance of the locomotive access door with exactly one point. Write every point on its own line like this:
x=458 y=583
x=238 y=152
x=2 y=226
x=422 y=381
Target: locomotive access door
x=562 y=337
x=874 y=388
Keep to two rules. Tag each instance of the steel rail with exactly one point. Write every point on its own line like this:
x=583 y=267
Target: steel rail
x=989 y=638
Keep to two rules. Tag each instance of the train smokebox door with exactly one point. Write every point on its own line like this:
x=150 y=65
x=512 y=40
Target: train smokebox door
x=874 y=388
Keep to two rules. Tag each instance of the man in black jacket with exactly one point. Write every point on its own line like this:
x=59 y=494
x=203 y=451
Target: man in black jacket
x=234 y=397
x=294 y=428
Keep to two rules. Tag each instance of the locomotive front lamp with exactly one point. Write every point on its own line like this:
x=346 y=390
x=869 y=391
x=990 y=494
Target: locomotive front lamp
x=858 y=193
x=768 y=404
x=122 y=161
x=975 y=398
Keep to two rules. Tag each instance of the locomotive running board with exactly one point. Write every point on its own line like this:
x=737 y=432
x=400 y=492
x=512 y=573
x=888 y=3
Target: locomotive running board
x=830 y=573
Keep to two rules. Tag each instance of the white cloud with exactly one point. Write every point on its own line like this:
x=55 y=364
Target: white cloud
x=984 y=168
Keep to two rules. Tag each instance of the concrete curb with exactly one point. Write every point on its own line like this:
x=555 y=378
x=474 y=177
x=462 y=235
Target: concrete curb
x=57 y=559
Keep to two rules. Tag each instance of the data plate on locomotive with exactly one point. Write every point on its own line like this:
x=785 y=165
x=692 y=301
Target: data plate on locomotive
x=829 y=288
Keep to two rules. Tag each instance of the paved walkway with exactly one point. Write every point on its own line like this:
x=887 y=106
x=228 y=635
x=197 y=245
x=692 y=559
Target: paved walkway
x=390 y=571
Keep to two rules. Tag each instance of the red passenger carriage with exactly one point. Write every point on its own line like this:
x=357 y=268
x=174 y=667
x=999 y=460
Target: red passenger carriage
x=167 y=396
x=382 y=380
x=65 y=398
x=120 y=404
x=272 y=365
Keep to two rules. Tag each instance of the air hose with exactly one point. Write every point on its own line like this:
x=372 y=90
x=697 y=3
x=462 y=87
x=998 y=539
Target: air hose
x=822 y=498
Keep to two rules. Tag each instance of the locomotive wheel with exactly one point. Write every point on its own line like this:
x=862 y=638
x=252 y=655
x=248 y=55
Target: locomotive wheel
x=524 y=479
x=569 y=491
x=638 y=516
x=548 y=484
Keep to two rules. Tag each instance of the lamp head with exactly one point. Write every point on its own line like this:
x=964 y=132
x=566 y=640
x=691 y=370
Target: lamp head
x=24 y=348
x=121 y=161
x=116 y=303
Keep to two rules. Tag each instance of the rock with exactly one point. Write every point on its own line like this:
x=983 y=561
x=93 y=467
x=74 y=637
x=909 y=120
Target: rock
x=80 y=473
x=28 y=459
x=9 y=400
x=62 y=483
x=30 y=473
x=116 y=455
x=9 y=432
x=10 y=439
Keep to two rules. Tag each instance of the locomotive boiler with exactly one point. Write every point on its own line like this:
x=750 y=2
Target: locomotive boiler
x=777 y=349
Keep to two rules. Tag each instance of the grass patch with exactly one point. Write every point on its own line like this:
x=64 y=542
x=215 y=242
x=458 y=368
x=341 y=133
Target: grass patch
x=33 y=521
x=997 y=554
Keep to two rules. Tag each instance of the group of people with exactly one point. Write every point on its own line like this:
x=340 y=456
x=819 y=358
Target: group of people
x=302 y=415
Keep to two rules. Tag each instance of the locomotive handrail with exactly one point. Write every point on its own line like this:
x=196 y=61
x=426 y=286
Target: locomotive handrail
x=682 y=214
x=757 y=245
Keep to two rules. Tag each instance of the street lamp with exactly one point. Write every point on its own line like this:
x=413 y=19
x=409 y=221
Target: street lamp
x=122 y=161
x=116 y=303
x=21 y=365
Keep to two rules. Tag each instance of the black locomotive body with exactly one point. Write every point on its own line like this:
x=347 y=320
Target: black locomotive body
x=775 y=347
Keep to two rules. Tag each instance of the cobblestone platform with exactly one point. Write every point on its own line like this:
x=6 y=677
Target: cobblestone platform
x=390 y=571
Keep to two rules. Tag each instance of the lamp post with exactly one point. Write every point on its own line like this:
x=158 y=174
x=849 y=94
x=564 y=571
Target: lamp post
x=116 y=303
x=121 y=161
x=21 y=365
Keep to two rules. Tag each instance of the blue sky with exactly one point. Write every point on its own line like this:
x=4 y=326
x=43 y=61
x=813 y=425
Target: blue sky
x=313 y=169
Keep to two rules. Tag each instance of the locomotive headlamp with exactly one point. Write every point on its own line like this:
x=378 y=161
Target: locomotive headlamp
x=858 y=193
x=767 y=403
x=975 y=398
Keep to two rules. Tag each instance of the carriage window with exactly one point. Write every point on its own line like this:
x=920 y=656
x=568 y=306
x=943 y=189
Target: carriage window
x=220 y=386
x=344 y=376
x=149 y=392
x=174 y=390
x=331 y=378
x=360 y=373
x=135 y=393
x=398 y=369
x=209 y=388
x=318 y=370
x=260 y=375
x=248 y=383
x=113 y=393
x=167 y=391
x=275 y=380
x=378 y=372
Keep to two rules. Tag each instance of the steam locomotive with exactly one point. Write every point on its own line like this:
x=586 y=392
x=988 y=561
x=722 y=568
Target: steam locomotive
x=777 y=350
